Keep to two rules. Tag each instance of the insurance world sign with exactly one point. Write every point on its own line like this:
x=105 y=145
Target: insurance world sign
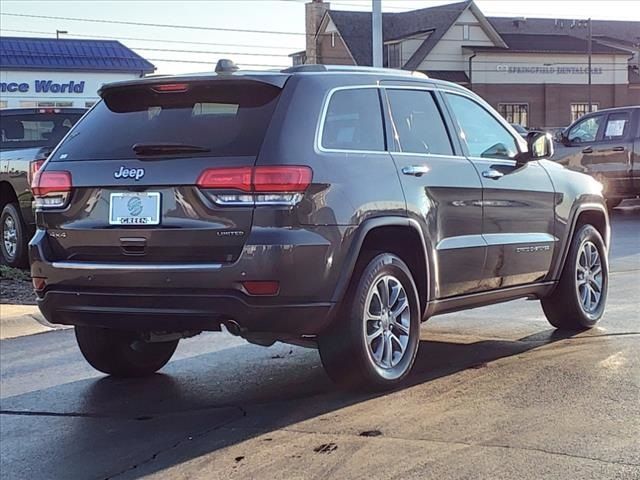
x=43 y=86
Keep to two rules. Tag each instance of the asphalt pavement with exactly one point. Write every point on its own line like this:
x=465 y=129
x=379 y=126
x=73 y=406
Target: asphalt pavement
x=495 y=393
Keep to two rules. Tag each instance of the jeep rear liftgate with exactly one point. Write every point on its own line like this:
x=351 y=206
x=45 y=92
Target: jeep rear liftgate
x=175 y=167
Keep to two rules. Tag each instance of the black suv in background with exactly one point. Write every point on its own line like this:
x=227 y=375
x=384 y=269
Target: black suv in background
x=320 y=206
x=27 y=136
x=606 y=145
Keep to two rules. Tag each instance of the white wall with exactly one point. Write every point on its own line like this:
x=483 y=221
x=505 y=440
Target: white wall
x=92 y=82
x=448 y=53
x=497 y=68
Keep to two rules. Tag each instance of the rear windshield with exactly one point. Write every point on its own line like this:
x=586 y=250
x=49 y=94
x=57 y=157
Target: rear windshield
x=31 y=130
x=222 y=118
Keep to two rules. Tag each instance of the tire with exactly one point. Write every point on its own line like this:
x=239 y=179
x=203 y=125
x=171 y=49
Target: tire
x=348 y=357
x=121 y=353
x=13 y=241
x=567 y=308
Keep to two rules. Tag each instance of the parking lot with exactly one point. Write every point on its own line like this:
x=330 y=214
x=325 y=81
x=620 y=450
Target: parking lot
x=495 y=393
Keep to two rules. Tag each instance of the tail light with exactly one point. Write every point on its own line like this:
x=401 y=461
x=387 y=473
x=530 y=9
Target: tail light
x=51 y=189
x=171 y=88
x=268 y=185
x=34 y=166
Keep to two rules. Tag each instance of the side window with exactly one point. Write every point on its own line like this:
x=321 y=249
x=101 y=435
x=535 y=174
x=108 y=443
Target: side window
x=585 y=130
x=354 y=121
x=418 y=122
x=484 y=135
x=617 y=126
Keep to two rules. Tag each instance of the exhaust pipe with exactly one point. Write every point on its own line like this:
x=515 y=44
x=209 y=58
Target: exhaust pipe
x=232 y=327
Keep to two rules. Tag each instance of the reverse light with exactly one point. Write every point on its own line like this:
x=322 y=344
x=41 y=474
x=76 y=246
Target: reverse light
x=267 y=185
x=51 y=188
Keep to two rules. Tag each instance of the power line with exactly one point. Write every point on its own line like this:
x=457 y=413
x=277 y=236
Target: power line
x=159 y=25
x=82 y=35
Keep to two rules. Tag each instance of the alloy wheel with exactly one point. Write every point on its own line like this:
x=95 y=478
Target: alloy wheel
x=589 y=277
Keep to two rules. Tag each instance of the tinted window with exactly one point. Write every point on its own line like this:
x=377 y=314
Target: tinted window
x=484 y=135
x=418 y=122
x=354 y=121
x=221 y=118
x=34 y=130
x=617 y=125
x=586 y=130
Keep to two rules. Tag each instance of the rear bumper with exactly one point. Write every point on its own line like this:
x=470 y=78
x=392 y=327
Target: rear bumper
x=180 y=297
x=167 y=311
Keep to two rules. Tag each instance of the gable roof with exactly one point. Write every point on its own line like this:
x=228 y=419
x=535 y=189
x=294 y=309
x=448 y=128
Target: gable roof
x=625 y=31
x=355 y=27
x=545 y=43
x=21 y=53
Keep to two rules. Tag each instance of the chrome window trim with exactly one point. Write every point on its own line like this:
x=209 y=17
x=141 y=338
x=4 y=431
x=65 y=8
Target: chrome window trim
x=319 y=148
x=152 y=267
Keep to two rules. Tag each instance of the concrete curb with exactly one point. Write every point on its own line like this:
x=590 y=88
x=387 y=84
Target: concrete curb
x=20 y=320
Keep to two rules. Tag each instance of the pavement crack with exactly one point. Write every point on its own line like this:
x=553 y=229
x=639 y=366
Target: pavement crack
x=156 y=454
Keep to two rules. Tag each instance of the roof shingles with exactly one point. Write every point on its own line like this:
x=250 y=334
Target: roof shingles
x=66 y=54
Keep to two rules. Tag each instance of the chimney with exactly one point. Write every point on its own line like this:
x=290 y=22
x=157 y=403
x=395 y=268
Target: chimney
x=314 y=12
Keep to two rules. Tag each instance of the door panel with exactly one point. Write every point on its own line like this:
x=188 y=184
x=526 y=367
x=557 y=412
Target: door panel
x=442 y=190
x=518 y=222
x=517 y=199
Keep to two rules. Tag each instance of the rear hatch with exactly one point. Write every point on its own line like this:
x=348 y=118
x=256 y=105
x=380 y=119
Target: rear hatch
x=137 y=168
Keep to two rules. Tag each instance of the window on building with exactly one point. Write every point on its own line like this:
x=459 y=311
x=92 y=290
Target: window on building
x=515 y=113
x=89 y=104
x=465 y=32
x=580 y=109
x=418 y=123
x=28 y=104
x=585 y=130
x=3 y=104
x=483 y=133
x=617 y=126
x=354 y=121
x=394 y=55
x=45 y=104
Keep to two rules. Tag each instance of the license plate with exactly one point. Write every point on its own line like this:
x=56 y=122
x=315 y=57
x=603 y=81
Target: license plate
x=134 y=208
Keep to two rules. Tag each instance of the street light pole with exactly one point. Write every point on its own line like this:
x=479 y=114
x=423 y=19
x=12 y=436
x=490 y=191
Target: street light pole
x=58 y=32
x=589 y=51
x=376 y=32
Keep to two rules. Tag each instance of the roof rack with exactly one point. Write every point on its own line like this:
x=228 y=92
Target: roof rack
x=352 y=69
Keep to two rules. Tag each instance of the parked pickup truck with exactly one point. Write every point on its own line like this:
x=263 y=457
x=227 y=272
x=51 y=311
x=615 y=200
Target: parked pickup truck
x=606 y=145
x=28 y=136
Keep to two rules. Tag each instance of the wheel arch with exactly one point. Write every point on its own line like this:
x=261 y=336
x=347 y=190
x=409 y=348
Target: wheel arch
x=583 y=214
x=411 y=247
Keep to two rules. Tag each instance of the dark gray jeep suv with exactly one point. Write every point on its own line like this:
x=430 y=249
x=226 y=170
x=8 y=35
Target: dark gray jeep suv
x=321 y=206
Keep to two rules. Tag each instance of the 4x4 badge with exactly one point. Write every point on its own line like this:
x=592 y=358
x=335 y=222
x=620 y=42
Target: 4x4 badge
x=135 y=173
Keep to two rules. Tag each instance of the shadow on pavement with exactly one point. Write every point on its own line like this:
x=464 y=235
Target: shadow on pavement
x=108 y=426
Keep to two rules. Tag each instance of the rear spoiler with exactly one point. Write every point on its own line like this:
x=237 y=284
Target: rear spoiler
x=274 y=79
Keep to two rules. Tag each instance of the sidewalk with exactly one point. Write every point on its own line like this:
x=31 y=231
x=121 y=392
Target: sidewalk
x=21 y=320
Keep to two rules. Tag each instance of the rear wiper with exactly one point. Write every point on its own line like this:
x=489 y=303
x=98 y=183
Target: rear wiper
x=167 y=148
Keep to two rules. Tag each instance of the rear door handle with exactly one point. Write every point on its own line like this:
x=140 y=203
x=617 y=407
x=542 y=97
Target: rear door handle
x=587 y=150
x=415 y=170
x=618 y=149
x=492 y=173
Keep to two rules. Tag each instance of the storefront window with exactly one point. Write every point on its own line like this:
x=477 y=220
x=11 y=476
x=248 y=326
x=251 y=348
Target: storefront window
x=3 y=104
x=515 y=113
x=394 y=55
x=580 y=109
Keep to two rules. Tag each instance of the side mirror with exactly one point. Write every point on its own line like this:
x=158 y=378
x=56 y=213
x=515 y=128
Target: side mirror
x=539 y=145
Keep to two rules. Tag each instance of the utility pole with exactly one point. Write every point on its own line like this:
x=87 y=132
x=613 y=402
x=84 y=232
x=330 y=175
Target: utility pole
x=589 y=50
x=376 y=32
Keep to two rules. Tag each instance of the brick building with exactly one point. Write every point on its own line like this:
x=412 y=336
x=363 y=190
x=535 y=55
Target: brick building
x=533 y=70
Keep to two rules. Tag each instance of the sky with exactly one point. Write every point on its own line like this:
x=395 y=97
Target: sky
x=181 y=50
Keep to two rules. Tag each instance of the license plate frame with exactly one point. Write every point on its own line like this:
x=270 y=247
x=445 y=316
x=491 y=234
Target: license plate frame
x=145 y=211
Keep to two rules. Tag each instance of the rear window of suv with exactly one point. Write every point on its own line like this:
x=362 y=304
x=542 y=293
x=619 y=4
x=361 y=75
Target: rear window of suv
x=221 y=118
x=34 y=130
